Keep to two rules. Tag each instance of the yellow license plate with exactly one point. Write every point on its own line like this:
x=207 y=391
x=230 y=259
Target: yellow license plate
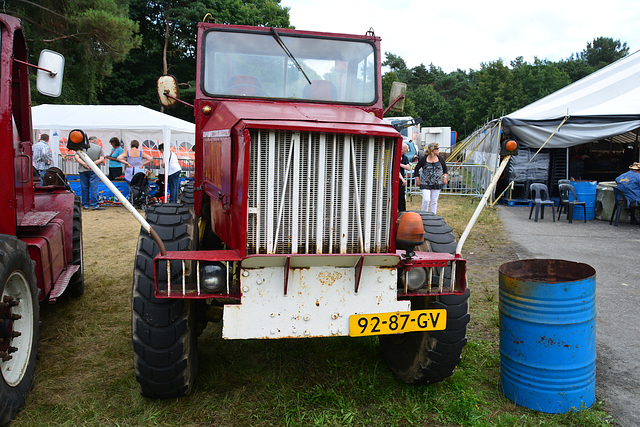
x=397 y=322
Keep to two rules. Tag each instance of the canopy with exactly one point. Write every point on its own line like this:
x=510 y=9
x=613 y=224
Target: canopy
x=599 y=106
x=127 y=122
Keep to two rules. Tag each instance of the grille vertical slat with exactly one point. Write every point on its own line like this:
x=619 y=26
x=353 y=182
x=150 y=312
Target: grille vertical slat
x=318 y=193
x=320 y=185
x=368 y=195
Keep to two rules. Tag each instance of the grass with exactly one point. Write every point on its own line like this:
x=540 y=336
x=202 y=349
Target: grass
x=85 y=373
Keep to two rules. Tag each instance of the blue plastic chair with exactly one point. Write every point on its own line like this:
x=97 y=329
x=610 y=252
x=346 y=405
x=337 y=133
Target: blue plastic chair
x=540 y=199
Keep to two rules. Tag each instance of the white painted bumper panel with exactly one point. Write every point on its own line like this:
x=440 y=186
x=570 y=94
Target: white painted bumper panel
x=320 y=296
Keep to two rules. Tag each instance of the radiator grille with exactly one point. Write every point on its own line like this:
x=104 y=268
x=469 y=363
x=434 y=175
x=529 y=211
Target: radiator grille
x=319 y=193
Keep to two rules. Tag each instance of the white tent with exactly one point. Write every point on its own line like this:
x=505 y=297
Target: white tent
x=127 y=122
x=599 y=106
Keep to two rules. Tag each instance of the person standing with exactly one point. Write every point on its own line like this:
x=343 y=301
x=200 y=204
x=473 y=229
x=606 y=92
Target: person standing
x=135 y=159
x=115 y=167
x=431 y=175
x=88 y=179
x=42 y=156
x=404 y=166
x=173 y=170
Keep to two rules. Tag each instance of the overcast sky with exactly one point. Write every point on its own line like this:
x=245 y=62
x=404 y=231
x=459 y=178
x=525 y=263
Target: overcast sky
x=465 y=33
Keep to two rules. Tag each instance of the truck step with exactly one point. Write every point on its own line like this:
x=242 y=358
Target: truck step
x=62 y=283
x=37 y=218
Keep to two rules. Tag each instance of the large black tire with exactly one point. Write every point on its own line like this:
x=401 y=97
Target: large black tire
x=163 y=331
x=429 y=357
x=20 y=314
x=76 y=284
x=186 y=197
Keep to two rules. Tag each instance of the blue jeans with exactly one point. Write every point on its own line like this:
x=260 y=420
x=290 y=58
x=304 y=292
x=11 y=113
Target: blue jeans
x=41 y=173
x=174 y=187
x=89 y=186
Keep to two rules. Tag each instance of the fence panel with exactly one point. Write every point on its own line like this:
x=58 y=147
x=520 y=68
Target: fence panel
x=464 y=180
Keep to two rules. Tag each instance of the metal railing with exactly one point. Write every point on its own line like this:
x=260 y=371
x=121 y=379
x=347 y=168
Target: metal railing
x=69 y=166
x=464 y=180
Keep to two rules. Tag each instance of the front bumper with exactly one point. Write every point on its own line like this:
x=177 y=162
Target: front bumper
x=296 y=296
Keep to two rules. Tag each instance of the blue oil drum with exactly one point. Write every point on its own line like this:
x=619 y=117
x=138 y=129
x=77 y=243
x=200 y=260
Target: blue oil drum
x=548 y=334
x=585 y=192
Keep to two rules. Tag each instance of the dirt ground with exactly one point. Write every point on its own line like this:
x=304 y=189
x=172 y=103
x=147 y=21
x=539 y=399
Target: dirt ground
x=109 y=240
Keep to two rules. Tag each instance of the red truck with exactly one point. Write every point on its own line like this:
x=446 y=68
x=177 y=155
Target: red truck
x=292 y=229
x=40 y=225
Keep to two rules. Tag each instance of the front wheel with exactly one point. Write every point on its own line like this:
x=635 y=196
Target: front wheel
x=163 y=330
x=19 y=314
x=431 y=356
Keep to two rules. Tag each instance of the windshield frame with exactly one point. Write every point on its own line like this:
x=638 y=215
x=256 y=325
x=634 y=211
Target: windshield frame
x=356 y=85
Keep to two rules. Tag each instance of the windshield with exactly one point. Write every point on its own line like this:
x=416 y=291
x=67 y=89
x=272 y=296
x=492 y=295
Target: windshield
x=255 y=65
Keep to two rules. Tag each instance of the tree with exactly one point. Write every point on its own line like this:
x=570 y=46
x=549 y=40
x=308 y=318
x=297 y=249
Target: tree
x=91 y=35
x=492 y=95
x=168 y=29
x=394 y=62
x=535 y=81
x=432 y=108
x=598 y=54
x=604 y=51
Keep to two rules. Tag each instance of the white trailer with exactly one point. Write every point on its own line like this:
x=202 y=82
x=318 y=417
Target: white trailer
x=439 y=135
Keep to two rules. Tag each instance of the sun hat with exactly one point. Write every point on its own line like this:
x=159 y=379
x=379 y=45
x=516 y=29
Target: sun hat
x=635 y=166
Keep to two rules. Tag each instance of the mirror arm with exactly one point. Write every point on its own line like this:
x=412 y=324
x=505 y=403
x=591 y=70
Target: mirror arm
x=51 y=73
x=392 y=104
x=166 y=93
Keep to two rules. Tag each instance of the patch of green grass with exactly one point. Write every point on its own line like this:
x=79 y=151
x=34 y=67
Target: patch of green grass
x=85 y=373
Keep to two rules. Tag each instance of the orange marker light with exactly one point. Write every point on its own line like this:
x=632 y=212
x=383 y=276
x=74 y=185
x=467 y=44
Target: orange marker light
x=76 y=137
x=77 y=140
x=511 y=145
x=410 y=230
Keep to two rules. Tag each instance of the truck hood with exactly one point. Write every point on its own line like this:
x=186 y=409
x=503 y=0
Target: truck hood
x=307 y=117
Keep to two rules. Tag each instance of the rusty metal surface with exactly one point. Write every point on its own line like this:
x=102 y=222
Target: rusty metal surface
x=547 y=270
x=318 y=303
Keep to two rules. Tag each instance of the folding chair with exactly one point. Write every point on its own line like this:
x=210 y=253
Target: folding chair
x=540 y=199
x=568 y=201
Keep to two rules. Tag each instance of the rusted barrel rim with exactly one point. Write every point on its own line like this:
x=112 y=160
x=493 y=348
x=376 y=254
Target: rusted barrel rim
x=547 y=270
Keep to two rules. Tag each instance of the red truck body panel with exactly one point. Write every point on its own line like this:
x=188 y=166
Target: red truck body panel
x=49 y=240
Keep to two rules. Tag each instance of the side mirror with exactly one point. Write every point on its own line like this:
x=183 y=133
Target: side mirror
x=398 y=89
x=50 y=72
x=168 y=91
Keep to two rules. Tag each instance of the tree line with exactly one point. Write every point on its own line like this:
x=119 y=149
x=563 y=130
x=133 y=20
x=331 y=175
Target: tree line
x=465 y=100
x=116 y=49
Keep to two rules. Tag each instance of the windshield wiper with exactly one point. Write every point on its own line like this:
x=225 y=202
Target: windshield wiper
x=288 y=52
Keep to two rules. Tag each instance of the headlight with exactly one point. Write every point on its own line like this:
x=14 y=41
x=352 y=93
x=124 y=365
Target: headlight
x=213 y=277
x=416 y=278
